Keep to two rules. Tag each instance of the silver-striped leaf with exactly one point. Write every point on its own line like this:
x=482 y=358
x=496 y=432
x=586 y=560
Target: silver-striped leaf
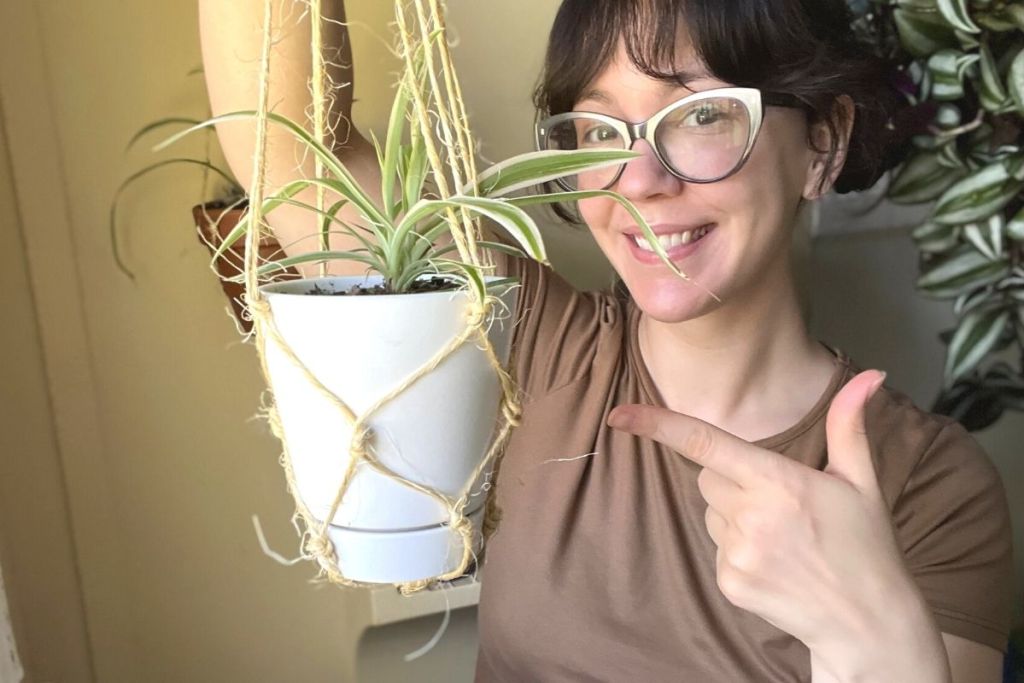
x=977 y=334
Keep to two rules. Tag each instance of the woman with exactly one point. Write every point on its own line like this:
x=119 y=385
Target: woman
x=699 y=490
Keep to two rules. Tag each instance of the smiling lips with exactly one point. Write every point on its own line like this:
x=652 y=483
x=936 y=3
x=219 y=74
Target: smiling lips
x=671 y=240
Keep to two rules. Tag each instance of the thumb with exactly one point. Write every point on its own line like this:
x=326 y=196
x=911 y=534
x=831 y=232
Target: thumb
x=849 y=454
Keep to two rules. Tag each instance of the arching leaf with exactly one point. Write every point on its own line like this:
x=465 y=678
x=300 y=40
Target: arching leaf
x=955 y=12
x=975 y=337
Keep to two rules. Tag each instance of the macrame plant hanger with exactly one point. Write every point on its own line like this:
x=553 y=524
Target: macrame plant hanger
x=429 y=78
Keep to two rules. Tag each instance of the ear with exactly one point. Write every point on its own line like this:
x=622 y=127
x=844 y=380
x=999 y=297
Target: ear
x=821 y=139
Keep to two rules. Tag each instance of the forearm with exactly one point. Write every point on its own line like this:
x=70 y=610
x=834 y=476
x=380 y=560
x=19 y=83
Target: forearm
x=231 y=34
x=232 y=39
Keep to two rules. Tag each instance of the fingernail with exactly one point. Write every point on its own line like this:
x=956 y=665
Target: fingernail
x=877 y=384
x=620 y=419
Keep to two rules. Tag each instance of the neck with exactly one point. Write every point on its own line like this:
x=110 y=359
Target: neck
x=750 y=366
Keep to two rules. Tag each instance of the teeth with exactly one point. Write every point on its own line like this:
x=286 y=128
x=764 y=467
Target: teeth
x=674 y=240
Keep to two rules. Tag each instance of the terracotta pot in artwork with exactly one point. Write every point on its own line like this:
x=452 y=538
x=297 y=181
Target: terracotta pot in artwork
x=215 y=221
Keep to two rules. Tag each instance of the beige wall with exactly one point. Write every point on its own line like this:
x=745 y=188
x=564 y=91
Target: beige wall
x=137 y=396
x=36 y=546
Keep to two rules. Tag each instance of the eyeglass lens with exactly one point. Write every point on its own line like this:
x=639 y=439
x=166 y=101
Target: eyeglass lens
x=702 y=140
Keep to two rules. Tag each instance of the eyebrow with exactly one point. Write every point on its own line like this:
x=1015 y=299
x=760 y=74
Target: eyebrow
x=598 y=95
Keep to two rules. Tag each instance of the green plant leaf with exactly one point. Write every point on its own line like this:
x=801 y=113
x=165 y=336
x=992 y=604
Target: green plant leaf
x=1015 y=13
x=474 y=278
x=977 y=196
x=529 y=170
x=501 y=247
x=393 y=149
x=974 y=300
x=956 y=14
x=132 y=179
x=949 y=157
x=975 y=337
x=935 y=237
x=921 y=179
x=948 y=68
x=415 y=174
x=1015 y=80
x=536 y=168
x=641 y=222
x=960 y=272
x=276 y=266
x=157 y=125
x=330 y=216
x=269 y=204
x=987 y=238
x=996 y=22
x=968 y=41
x=516 y=222
x=1015 y=228
x=923 y=33
x=342 y=182
x=992 y=93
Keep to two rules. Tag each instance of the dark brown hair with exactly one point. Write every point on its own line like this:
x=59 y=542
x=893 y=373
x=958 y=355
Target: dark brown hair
x=803 y=48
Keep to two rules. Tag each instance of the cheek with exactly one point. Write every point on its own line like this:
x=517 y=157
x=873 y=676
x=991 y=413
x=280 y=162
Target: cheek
x=595 y=212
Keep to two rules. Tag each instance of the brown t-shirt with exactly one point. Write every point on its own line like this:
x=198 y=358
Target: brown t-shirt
x=602 y=569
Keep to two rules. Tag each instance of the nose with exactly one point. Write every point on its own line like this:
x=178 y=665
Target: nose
x=646 y=177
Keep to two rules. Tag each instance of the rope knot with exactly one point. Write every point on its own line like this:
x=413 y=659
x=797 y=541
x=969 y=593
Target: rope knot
x=319 y=546
x=360 y=443
x=260 y=308
x=478 y=312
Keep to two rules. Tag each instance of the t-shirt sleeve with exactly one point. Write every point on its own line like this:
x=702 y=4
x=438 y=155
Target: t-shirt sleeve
x=953 y=521
x=559 y=332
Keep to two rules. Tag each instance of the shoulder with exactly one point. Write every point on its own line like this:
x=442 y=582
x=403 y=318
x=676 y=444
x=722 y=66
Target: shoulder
x=562 y=334
x=950 y=515
x=914 y=446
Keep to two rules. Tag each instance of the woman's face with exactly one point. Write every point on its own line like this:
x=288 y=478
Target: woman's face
x=750 y=214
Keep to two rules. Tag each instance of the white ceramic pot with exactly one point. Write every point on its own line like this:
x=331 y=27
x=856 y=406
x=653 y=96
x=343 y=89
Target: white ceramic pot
x=435 y=433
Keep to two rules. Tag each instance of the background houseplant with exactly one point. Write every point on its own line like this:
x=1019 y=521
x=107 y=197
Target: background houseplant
x=222 y=205
x=961 y=65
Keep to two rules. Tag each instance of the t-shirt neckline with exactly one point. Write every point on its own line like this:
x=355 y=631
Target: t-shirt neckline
x=819 y=410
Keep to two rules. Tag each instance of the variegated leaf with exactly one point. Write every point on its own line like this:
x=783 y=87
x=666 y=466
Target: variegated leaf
x=923 y=33
x=960 y=272
x=921 y=179
x=977 y=334
x=956 y=14
x=948 y=68
x=1015 y=81
x=978 y=196
x=992 y=93
x=1015 y=228
x=987 y=238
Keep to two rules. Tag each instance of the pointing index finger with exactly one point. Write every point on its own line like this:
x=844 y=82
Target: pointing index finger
x=697 y=441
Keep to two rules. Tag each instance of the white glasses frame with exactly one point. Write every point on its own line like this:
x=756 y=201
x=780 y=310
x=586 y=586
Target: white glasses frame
x=753 y=99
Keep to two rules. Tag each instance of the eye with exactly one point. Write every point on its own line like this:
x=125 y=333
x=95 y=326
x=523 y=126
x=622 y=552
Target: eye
x=599 y=134
x=704 y=115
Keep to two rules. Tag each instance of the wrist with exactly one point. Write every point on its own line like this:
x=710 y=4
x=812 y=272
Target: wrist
x=903 y=644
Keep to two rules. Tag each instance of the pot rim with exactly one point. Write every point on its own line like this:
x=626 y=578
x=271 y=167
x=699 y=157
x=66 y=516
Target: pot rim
x=339 y=282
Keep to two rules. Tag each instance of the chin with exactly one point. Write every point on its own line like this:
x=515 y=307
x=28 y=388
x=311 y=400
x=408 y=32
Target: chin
x=670 y=301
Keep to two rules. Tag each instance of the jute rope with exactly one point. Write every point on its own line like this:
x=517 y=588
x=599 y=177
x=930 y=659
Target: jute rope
x=444 y=104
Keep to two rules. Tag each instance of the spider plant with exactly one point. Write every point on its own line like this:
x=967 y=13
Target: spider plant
x=401 y=237
x=229 y=191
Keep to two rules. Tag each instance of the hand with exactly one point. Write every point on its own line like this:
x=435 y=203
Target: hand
x=812 y=552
